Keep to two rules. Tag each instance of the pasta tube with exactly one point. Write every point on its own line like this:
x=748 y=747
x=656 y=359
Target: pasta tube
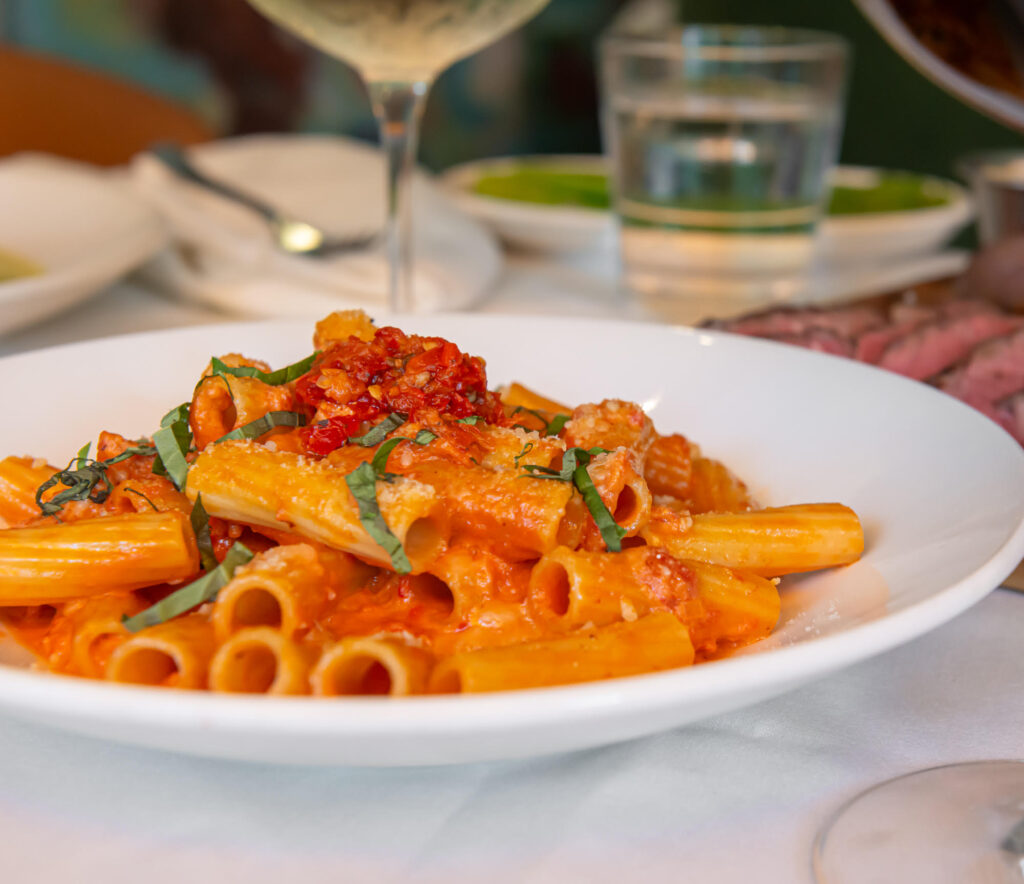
x=714 y=488
x=340 y=326
x=575 y=588
x=284 y=588
x=616 y=476
x=358 y=666
x=260 y=660
x=246 y=482
x=19 y=479
x=97 y=630
x=516 y=395
x=655 y=642
x=223 y=403
x=518 y=516
x=740 y=606
x=770 y=542
x=668 y=469
x=613 y=423
x=173 y=654
x=44 y=564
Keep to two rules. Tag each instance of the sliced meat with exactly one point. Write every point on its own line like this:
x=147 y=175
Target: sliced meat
x=822 y=340
x=846 y=322
x=935 y=346
x=1009 y=413
x=994 y=371
x=874 y=342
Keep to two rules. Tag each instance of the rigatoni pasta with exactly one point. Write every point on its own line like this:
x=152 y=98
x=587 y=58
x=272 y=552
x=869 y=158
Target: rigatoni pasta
x=373 y=520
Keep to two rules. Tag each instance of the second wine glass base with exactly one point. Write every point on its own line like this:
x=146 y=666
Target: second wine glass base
x=959 y=824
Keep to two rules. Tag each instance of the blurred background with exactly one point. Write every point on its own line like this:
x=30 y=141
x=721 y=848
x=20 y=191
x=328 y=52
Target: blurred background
x=532 y=92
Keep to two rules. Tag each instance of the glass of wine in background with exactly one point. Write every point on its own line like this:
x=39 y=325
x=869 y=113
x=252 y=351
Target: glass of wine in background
x=399 y=47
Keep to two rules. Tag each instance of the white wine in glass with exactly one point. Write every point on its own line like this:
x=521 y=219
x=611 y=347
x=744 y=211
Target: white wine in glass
x=399 y=47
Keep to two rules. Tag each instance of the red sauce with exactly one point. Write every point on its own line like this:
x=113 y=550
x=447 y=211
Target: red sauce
x=419 y=377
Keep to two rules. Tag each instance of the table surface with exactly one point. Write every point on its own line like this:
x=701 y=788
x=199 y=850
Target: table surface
x=736 y=798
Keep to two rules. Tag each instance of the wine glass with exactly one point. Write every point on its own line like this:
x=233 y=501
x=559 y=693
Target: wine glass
x=399 y=47
x=945 y=825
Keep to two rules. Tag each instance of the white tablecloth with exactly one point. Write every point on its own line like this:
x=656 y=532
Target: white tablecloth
x=737 y=798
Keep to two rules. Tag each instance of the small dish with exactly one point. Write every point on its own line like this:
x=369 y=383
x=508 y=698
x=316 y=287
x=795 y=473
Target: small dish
x=898 y=233
x=885 y=236
x=81 y=227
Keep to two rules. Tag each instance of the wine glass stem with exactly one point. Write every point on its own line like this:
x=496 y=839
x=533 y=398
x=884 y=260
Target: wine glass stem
x=398 y=107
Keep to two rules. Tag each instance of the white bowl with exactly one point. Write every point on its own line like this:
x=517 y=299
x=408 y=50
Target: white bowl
x=881 y=237
x=800 y=426
x=84 y=227
x=532 y=226
x=889 y=236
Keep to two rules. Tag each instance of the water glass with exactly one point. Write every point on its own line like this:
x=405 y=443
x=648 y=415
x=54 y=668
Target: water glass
x=720 y=139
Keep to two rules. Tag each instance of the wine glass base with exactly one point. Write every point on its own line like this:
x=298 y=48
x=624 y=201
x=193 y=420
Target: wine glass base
x=958 y=824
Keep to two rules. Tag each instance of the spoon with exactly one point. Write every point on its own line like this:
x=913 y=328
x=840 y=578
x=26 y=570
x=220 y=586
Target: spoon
x=290 y=234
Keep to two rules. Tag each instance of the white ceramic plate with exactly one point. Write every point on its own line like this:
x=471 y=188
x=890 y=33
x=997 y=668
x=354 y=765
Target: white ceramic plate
x=882 y=238
x=83 y=227
x=228 y=261
x=940 y=490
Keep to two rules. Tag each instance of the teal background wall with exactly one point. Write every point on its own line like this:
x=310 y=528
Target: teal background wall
x=532 y=92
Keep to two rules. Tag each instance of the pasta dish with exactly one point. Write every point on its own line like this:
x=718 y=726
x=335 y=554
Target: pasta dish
x=374 y=520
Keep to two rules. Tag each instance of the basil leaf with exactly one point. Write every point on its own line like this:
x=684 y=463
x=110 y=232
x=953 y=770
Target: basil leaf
x=527 y=448
x=87 y=481
x=198 y=591
x=376 y=435
x=200 y=521
x=574 y=469
x=380 y=458
x=172 y=444
x=472 y=420
x=82 y=458
x=362 y=482
x=555 y=427
x=260 y=426
x=611 y=532
x=175 y=415
x=275 y=378
x=143 y=496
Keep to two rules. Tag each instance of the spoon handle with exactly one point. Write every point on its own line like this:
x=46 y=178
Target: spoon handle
x=175 y=160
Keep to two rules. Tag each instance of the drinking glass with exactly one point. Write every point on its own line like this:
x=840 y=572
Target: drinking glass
x=946 y=825
x=721 y=139
x=399 y=47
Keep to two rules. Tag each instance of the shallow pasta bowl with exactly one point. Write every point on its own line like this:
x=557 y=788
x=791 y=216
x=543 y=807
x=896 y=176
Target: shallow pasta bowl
x=940 y=490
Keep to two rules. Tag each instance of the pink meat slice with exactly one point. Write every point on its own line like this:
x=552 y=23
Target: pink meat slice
x=994 y=371
x=846 y=322
x=935 y=346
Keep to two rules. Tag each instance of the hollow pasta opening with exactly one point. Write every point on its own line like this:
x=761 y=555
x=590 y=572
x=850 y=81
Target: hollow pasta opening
x=251 y=669
x=626 y=505
x=437 y=591
x=633 y=542
x=424 y=540
x=358 y=675
x=147 y=666
x=256 y=607
x=102 y=645
x=553 y=587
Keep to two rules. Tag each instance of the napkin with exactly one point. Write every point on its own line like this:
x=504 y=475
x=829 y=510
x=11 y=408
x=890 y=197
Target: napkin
x=224 y=255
